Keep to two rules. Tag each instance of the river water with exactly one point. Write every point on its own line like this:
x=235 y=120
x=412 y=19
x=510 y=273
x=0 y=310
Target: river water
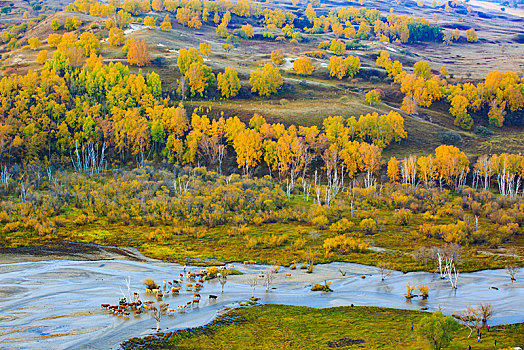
x=55 y=304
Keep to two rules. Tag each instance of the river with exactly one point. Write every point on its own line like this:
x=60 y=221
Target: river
x=55 y=304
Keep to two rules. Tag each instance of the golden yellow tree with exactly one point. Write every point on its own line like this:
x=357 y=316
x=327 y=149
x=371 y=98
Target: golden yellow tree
x=444 y=70
x=205 y=49
x=277 y=57
x=248 y=148
x=116 y=36
x=471 y=35
x=138 y=53
x=393 y=169
x=149 y=21
x=41 y=57
x=303 y=66
x=228 y=82
x=199 y=77
x=265 y=81
x=372 y=97
x=166 y=24
x=248 y=30
x=157 y=5
x=34 y=43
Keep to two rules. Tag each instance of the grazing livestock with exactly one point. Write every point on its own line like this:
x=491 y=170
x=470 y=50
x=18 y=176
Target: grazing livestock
x=138 y=312
x=212 y=297
x=147 y=307
x=175 y=289
x=196 y=296
x=287 y=275
x=104 y=306
x=196 y=301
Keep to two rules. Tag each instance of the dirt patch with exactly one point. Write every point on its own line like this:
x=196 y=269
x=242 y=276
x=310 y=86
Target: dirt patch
x=340 y=343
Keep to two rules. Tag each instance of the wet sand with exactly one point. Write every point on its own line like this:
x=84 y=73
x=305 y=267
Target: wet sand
x=55 y=304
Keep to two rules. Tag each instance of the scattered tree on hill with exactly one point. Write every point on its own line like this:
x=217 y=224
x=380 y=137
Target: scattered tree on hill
x=277 y=57
x=166 y=24
x=34 y=43
x=72 y=23
x=205 y=49
x=303 y=66
x=337 y=47
x=186 y=57
x=55 y=24
x=41 y=57
x=149 y=21
x=265 y=81
x=372 y=97
x=471 y=35
x=247 y=30
x=116 y=37
x=228 y=82
x=347 y=67
x=199 y=77
x=138 y=53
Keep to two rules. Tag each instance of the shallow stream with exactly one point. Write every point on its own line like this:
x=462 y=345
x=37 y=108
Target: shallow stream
x=55 y=304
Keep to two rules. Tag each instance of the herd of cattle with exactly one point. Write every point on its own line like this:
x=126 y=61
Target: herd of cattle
x=194 y=283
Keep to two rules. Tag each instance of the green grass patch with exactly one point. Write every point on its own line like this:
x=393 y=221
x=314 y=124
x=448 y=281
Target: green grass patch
x=292 y=327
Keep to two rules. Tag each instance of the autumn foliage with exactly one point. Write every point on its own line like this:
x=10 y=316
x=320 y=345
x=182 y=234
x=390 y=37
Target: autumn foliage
x=138 y=54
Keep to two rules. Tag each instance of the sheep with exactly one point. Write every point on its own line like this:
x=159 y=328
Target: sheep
x=138 y=312
x=171 y=310
x=196 y=296
x=175 y=290
x=287 y=275
x=148 y=290
x=201 y=281
x=155 y=291
x=212 y=297
x=104 y=306
x=149 y=302
x=196 y=301
x=147 y=307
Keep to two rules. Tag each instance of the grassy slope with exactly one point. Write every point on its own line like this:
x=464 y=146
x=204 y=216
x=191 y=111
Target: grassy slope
x=291 y=327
